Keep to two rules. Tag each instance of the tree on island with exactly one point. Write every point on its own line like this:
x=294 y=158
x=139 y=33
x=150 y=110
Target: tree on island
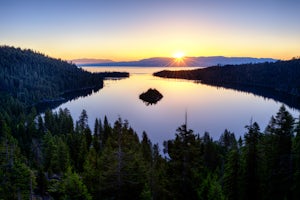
x=152 y=96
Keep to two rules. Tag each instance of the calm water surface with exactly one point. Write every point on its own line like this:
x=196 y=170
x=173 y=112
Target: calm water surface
x=209 y=108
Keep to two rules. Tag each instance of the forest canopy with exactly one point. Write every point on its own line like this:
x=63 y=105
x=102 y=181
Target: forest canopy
x=53 y=156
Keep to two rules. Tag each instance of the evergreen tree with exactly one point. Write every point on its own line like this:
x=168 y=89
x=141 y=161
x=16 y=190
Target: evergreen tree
x=106 y=131
x=49 y=121
x=83 y=121
x=122 y=168
x=88 y=137
x=41 y=128
x=96 y=139
x=296 y=162
x=159 y=177
x=146 y=148
x=231 y=175
x=210 y=189
x=48 y=146
x=251 y=158
x=280 y=133
x=227 y=141
x=71 y=187
x=42 y=183
x=17 y=180
x=91 y=174
x=210 y=155
x=65 y=122
x=56 y=154
x=96 y=127
x=184 y=153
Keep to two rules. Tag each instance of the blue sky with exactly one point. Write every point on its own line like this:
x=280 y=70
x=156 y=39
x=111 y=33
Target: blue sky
x=132 y=29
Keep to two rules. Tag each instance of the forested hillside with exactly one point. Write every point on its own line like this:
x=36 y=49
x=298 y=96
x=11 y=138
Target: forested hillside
x=281 y=76
x=28 y=77
x=49 y=158
x=32 y=77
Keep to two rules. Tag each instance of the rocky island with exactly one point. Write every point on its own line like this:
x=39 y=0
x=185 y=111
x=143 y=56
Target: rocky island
x=152 y=96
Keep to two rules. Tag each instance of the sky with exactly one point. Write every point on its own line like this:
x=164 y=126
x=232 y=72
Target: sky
x=134 y=29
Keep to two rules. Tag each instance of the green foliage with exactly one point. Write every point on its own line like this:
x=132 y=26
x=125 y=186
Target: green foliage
x=113 y=163
x=70 y=187
x=250 y=174
x=57 y=123
x=210 y=189
x=279 y=134
x=227 y=141
x=211 y=157
x=121 y=164
x=56 y=154
x=146 y=193
x=231 y=175
x=16 y=177
x=91 y=173
x=32 y=77
x=184 y=153
x=296 y=162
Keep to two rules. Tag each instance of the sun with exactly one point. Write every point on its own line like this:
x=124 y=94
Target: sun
x=178 y=55
x=179 y=59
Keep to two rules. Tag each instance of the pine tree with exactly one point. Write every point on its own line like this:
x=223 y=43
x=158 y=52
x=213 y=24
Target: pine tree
x=70 y=187
x=296 y=162
x=159 y=177
x=227 y=141
x=279 y=147
x=49 y=121
x=232 y=174
x=210 y=189
x=106 y=131
x=48 y=145
x=88 y=137
x=91 y=174
x=16 y=177
x=184 y=153
x=251 y=158
x=96 y=137
x=123 y=170
x=83 y=121
x=146 y=148
x=210 y=155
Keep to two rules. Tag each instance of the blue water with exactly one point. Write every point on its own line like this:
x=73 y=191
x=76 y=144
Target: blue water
x=208 y=108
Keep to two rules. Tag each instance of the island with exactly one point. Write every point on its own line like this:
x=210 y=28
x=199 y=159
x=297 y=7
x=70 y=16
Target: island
x=152 y=96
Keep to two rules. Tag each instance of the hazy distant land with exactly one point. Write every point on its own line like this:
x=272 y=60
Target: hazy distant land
x=170 y=62
x=84 y=61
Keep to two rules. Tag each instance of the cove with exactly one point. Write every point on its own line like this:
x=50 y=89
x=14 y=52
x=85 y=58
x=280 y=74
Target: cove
x=209 y=108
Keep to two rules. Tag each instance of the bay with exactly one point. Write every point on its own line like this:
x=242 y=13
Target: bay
x=209 y=109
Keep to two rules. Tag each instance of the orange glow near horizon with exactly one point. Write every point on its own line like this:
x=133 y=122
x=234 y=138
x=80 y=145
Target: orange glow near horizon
x=122 y=53
x=132 y=31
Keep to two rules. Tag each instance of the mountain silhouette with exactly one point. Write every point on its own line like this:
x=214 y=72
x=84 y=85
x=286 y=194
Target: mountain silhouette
x=186 y=61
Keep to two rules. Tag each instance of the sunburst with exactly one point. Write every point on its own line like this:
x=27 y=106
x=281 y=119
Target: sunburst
x=179 y=58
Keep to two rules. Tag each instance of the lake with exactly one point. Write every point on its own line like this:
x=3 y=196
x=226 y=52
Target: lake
x=208 y=108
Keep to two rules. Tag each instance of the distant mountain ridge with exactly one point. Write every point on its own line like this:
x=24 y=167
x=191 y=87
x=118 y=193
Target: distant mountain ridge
x=83 y=61
x=186 y=61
